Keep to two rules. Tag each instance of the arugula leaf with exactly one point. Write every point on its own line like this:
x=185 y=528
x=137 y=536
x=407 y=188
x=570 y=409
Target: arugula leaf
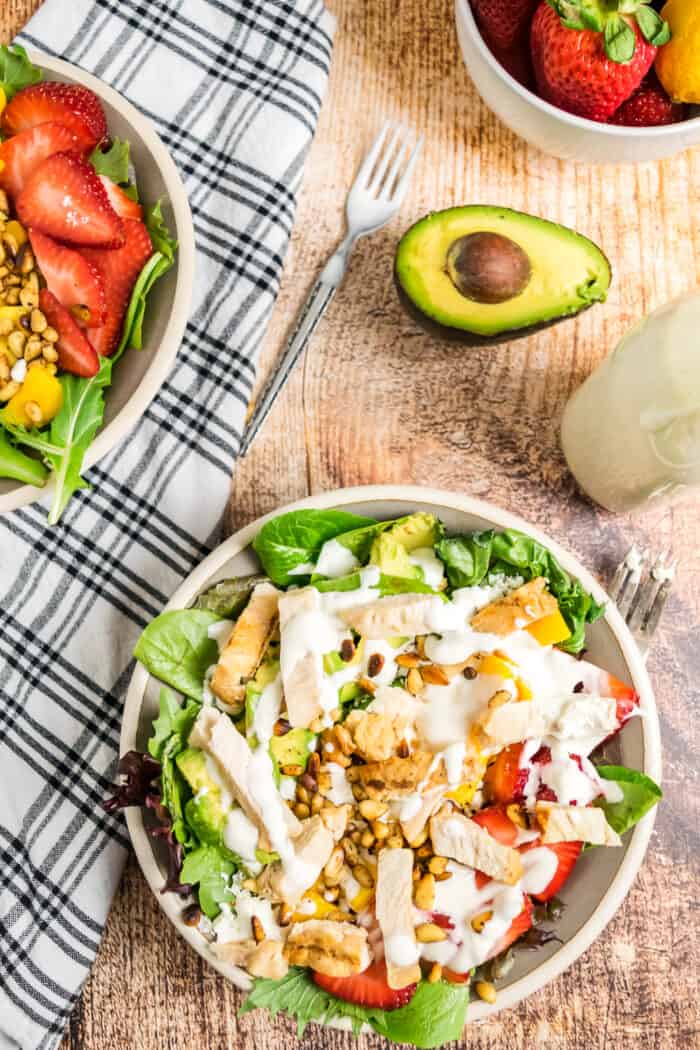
x=16 y=70
x=470 y=559
x=114 y=162
x=174 y=789
x=160 y=262
x=434 y=1016
x=639 y=792
x=176 y=648
x=228 y=597
x=161 y=238
x=174 y=719
x=292 y=539
x=15 y=464
x=210 y=869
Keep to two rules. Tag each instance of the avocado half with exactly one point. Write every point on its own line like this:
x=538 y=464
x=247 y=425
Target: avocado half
x=484 y=275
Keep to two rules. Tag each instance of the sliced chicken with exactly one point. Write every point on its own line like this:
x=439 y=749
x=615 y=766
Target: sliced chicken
x=313 y=846
x=589 y=717
x=237 y=953
x=337 y=949
x=267 y=959
x=215 y=733
x=376 y=736
x=399 y=777
x=246 y=645
x=396 y=615
x=454 y=835
x=575 y=824
x=302 y=675
x=413 y=826
x=516 y=610
x=394 y=909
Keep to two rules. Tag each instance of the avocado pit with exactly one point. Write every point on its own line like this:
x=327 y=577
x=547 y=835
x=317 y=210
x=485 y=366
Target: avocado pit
x=488 y=267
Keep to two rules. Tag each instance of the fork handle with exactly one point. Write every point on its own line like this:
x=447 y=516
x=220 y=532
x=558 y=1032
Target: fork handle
x=317 y=303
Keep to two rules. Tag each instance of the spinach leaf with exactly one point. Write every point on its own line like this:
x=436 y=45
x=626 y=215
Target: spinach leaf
x=16 y=70
x=18 y=466
x=387 y=585
x=471 y=559
x=174 y=719
x=210 y=869
x=639 y=792
x=228 y=597
x=293 y=539
x=113 y=162
x=176 y=648
x=435 y=1015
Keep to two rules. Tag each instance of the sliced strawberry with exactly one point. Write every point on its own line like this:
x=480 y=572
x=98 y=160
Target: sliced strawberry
x=72 y=105
x=520 y=925
x=567 y=855
x=119 y=269
x=544 y=793
x=444 y=921
x=498 y=824
x=75 y=354
x=21 y=155
x=124 y=206
x=65 y=199
x=456 y=978
x=505 y=778
x=602 y=683
x=76 y=282
x=369 y=988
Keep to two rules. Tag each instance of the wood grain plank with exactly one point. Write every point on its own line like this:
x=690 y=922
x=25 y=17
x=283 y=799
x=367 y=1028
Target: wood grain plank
x=378 y=401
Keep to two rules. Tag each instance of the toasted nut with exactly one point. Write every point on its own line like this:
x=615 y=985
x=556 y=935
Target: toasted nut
x=38 y=322
x=350 y=849
x=314 y=764
x=27 y=297
x=50 y=335
x=4 y=369
x=363 y=876
x=443 y=876
x=347 y=650
x=317 y=724
x=316 y=803
x=12 y=295
x=394 y=842
x=367 y=684
x=380 y=830
x=9 y=390
x=6 y=325
x=371 y=809
x=48 y=352
x=16 y=341
x=420 y=646
x=408 y=660
x=435 y=973
x=430 y=933
x=433 y=674
x=424 y=894
x=192 y=915
x=424 y=851
x=358 y=792
x=258 y=931
x=480 y=920
x=50 y=367
x=345 y=741
x=334 y=865
x=302 y=794
x=26 y=259
x=338 y=757
x=516 y=814
x=420 y=839
x=417 y=873
x=250 y=885
x=291 y=770
x=32 y=349
x=437 y=865
x=414 y=681
x=281 y=727
x=285 y=914
x=32 y=282
x=302 y=811
x=403 y=750
x=367 y=839
x=33 y=411
x=352 y=773
x=356 y=836
x=486 y=991
x=375 y=664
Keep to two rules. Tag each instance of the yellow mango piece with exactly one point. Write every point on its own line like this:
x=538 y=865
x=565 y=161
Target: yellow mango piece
x=322 y=907
x=13 y=313
x=362 y=899
x=463 y=794
x=42 y=388
x=16 y=230
x=550 y=630
x=524 y=691
x=496 y=665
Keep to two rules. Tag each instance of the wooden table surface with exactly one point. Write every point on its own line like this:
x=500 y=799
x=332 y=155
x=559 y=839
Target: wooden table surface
x=378 y=401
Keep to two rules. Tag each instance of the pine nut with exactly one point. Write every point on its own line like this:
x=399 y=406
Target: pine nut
x=27 y=297
x=367 y=684
x=345 y=741
x=4 y=369
x=420 y=646
x=34 y=413
x=316 y=803
x=414 y=681
x=358 y=792
x=435 y=973
x=351 y=854
x=9 y=390
x=430 y=933
x=302 y=811
x=424 y=895
x=486 y=991
x=363 y=876
x=334 y=865
x=302 y=794
x=16 y=341
x=380 y=829
x=250 y=885
x=480 y=920
x=437 y=865
x=285 y=914
x=434 y=675
x=394 y=842
x=424 y=851
x=258 y=931
x=420 y=839
x=367 y=839
x=50 y=335
x=408 y=660
x=371 y=809
x=314 y=764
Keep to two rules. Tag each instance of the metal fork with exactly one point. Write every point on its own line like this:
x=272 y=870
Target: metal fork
x=640 y=588
x=376 y=195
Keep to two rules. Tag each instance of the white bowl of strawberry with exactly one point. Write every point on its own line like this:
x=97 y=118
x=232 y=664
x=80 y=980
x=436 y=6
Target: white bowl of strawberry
x=612 y=82
x=96 y=264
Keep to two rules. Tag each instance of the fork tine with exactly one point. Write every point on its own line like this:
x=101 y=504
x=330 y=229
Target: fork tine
x=628 y=592
x=645 y=598
x=402 y=186
x=662 y=596
x=621 y=573
x=367 y=166
x=382 y=165
x=389 y=181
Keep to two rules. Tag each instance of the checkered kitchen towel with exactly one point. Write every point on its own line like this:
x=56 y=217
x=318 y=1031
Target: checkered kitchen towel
x=234 y=88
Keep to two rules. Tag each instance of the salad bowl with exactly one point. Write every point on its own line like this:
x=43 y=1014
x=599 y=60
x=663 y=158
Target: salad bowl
x=137 y=378
x=601 y=879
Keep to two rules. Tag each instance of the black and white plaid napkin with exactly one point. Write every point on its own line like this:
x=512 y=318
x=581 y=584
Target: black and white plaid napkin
x=234 y=88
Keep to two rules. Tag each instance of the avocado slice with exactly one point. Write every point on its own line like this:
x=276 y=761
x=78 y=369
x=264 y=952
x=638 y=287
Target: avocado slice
x=483 y=274
x=416 y=530
x=392 y=557
x=292 y=749
x=204 y=812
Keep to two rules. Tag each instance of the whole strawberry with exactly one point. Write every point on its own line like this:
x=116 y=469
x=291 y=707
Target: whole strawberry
x=649 y=107
x=589 y=56
x=503 y=22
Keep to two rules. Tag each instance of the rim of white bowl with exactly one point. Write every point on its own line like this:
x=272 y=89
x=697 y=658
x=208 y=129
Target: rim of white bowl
x=165 y=353
x=417 y=495
x=583 y=123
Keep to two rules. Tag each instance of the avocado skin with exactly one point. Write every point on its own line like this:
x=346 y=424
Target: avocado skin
x=472 y=339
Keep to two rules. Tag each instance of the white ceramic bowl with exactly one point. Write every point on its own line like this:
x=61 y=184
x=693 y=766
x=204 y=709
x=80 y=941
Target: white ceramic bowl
x=140 y=373
x=552 y=129
x=601 y=879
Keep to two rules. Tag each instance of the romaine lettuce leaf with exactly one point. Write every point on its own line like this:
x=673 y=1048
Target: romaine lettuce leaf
x=113 y=162
x=16 y=465
x=176 y=648
x=16 y=70
x=210 y=869
x=435 y=1015
x=293 y=539
x=387 y=585
x=174 y=719
x=640 y=795
x=228 y=597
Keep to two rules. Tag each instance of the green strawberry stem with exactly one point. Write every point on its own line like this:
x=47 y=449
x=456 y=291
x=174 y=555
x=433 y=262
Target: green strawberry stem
x=613 y=19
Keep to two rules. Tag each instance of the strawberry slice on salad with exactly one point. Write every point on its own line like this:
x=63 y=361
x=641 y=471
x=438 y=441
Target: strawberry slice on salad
x=125 y=207
x=73 y=279
x=505 y=779
x=75 y=353
x=369 y=988
x=119 y=269
x=602 y=683
x=567 y=854
x=65 y=199
x=22 y=154
x=520 y=925
x=75 y=107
